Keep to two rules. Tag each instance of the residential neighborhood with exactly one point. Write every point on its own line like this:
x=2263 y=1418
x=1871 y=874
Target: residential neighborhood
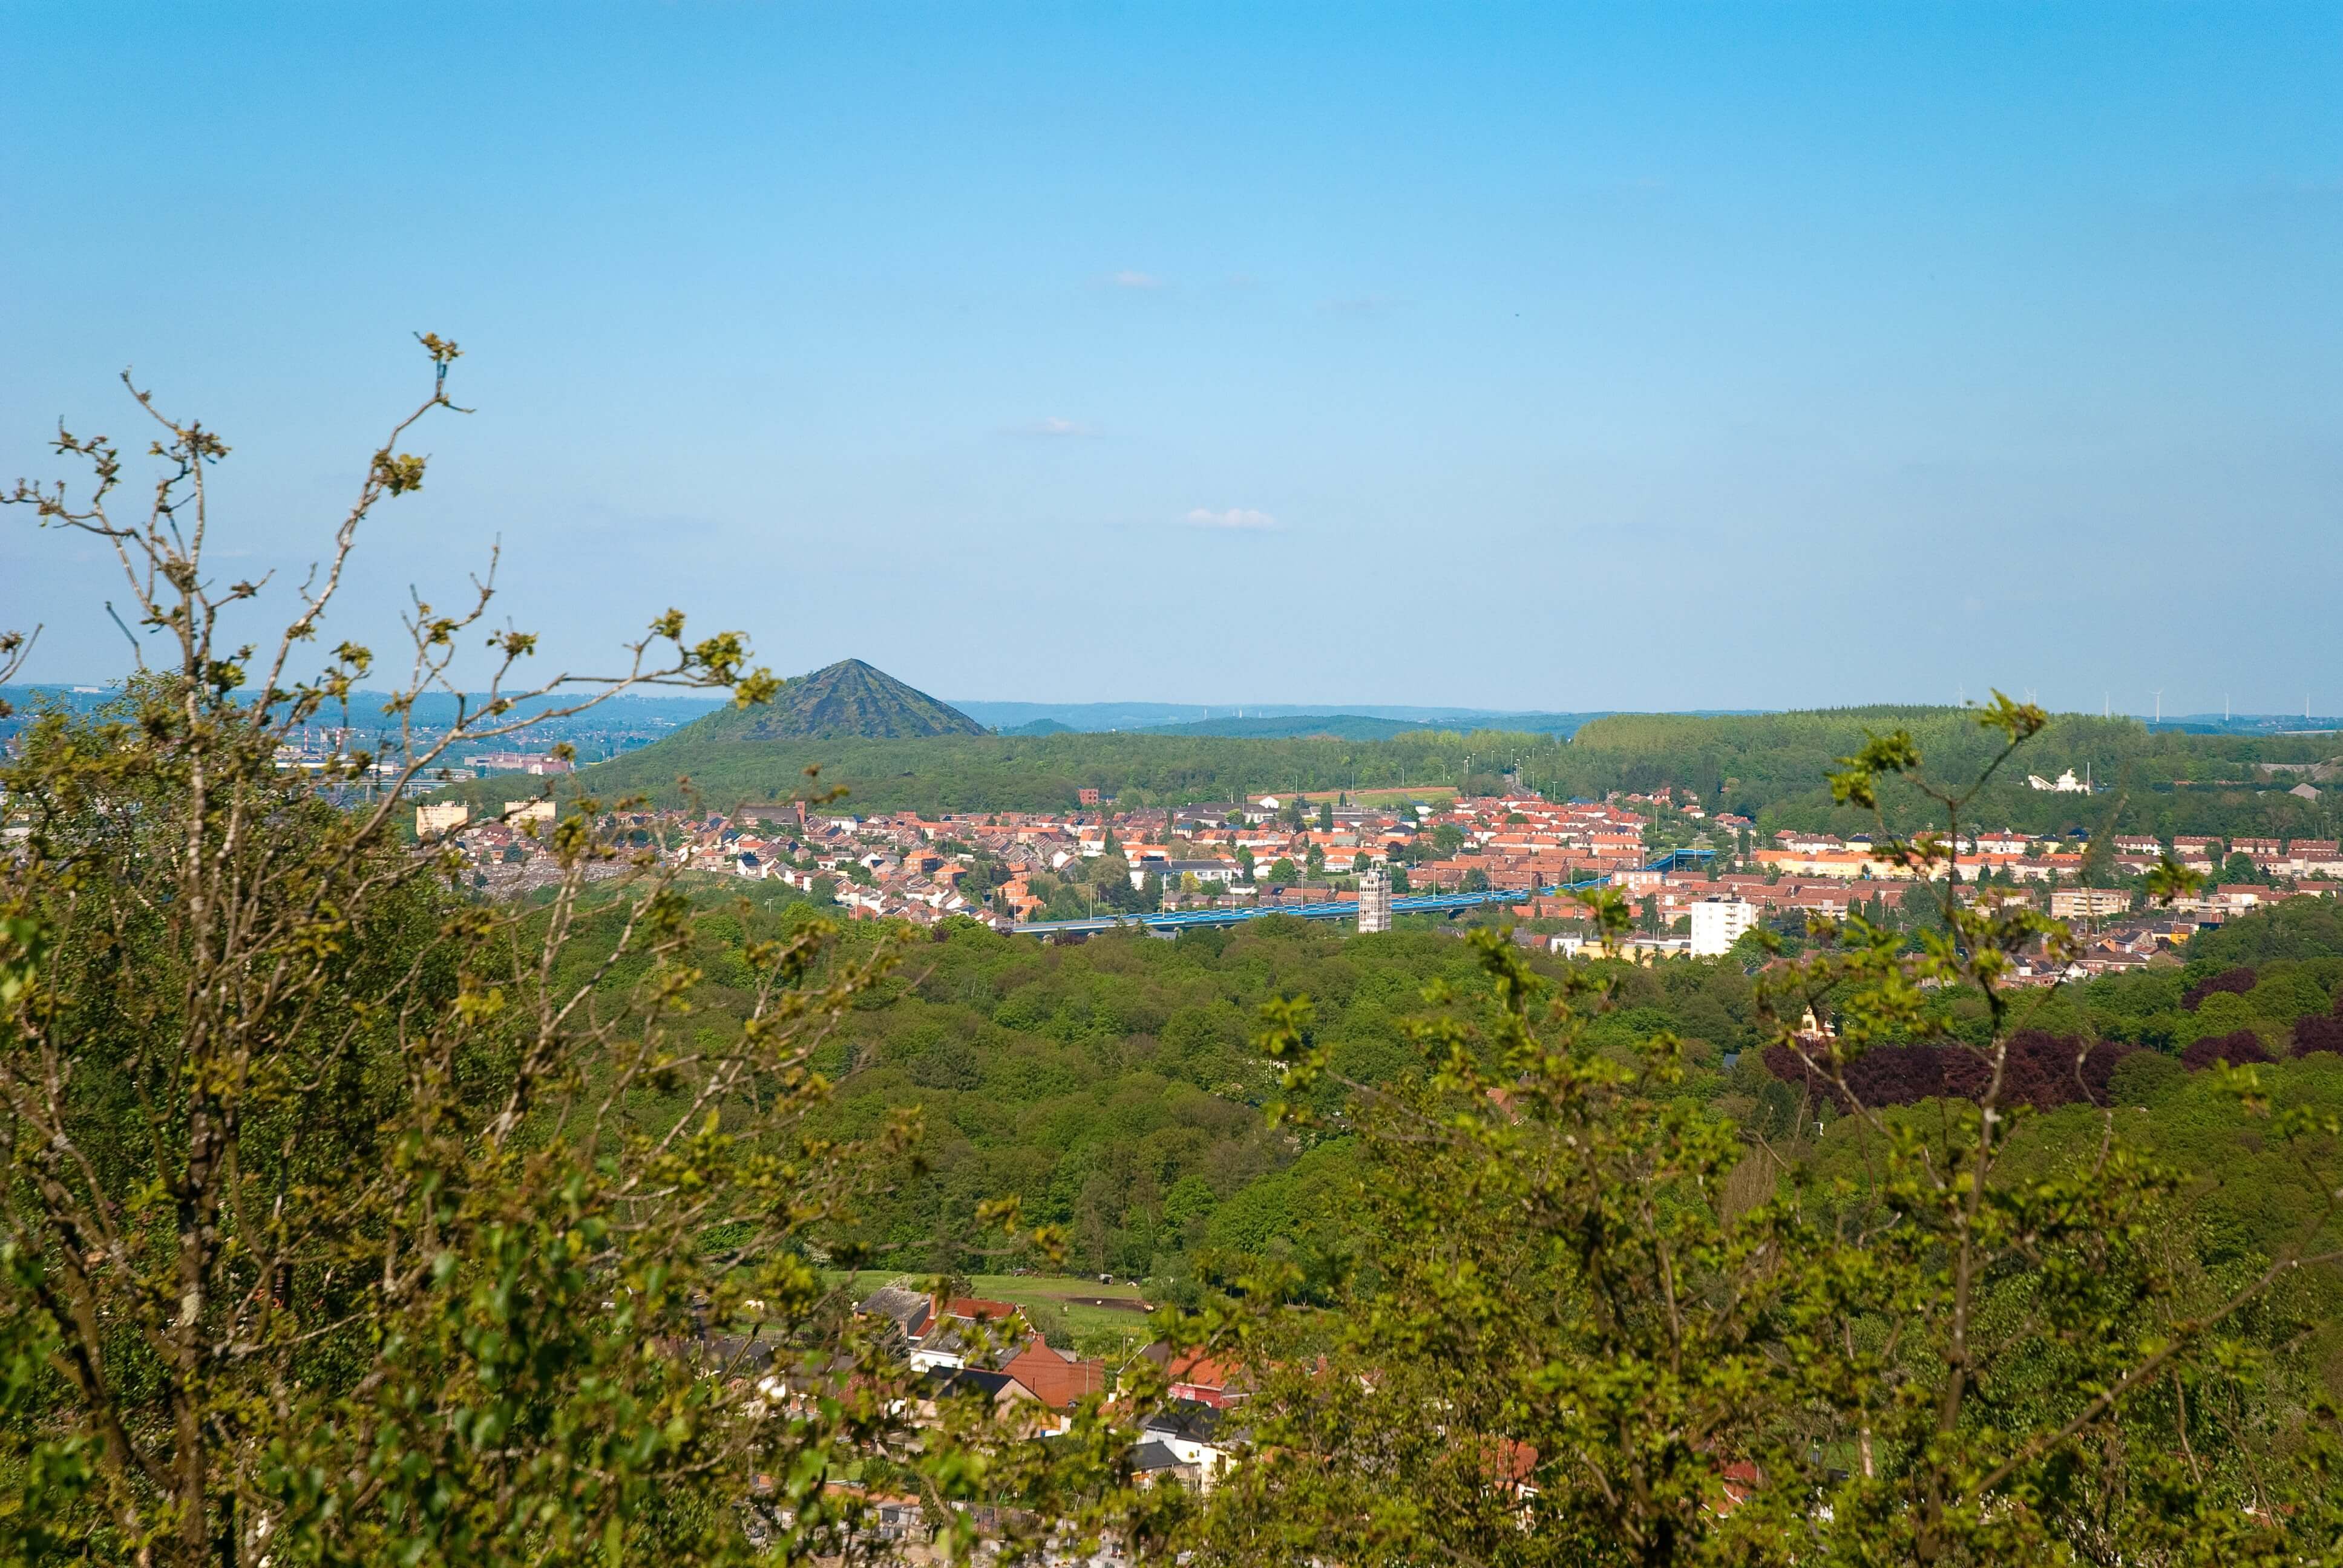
x=1012 y=870
x=970 y=1347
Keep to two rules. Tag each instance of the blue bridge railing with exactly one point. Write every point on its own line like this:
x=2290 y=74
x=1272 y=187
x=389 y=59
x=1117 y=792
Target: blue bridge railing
x=1407 y=904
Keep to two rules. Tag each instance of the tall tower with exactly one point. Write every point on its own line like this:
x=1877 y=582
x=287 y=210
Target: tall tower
x=1374 y=901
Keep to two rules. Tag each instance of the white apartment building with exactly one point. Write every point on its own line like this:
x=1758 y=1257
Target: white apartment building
x=1718 y=923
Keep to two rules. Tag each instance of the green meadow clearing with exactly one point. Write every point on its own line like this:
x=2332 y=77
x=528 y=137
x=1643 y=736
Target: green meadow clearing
x=1064 y=1307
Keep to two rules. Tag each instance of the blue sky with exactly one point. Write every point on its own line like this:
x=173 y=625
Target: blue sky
x=1543 y=357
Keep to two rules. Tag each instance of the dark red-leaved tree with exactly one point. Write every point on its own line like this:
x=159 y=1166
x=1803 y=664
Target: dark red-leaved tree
x=2238 y=1048
x=2319 y=1031
x=2040 y=1073
x=2240 y=980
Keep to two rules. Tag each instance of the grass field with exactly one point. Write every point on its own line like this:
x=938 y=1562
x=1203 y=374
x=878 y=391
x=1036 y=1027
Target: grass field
x=1430 y=794
x=1066 y=1308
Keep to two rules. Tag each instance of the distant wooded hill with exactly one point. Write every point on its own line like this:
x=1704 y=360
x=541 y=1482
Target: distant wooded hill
x=1015 y=716
x=1030 y=772
x=1365 y=727
x=1773 y=767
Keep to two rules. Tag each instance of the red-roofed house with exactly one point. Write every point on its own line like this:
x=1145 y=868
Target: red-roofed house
x=1055 y=1378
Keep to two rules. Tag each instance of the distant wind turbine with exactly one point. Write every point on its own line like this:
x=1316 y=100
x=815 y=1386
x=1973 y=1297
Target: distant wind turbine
x=2158 y=694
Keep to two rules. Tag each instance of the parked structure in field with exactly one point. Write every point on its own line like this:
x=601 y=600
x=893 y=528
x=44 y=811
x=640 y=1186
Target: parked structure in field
x=2065 y=784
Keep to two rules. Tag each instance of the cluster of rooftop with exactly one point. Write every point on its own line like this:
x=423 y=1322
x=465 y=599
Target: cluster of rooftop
x=1008 y=868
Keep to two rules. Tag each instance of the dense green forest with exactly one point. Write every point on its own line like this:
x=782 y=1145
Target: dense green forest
x=1038 y=773
x=1114 y=1087
x=1771 y=767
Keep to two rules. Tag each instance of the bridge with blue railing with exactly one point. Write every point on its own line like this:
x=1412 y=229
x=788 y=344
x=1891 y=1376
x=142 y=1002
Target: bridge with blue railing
x=1408 y=904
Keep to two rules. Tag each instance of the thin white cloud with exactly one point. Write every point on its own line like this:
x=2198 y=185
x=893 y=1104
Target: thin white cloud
x=1237 y=518
x=1129 y=279
x=1052 y=428
x=1360 y=305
